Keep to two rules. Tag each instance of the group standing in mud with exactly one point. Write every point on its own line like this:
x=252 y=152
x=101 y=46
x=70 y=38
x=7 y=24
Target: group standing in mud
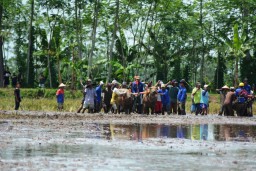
x=144 y=98
x=239 y=100
x=169 y=98
x=139 y=97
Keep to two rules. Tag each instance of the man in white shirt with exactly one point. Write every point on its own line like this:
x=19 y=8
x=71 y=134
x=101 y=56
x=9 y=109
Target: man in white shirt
x=89 y=97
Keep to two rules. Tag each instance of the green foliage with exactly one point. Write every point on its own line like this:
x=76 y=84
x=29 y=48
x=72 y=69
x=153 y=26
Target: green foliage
x=123 y=73
x=186 y=73
x=219 y=72
x=247 y=69
x=157 y=39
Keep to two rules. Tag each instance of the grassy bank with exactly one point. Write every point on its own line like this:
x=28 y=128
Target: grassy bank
x=39 y=99
x=44 y=100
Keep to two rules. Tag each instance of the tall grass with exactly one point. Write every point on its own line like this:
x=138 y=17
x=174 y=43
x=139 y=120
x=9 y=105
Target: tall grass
x=39 y=100
x=41 y=104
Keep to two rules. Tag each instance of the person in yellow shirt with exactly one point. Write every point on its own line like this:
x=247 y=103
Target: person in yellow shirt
x=196 y=97
x=114 y=98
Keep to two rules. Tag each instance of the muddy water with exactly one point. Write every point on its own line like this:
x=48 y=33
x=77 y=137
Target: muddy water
x=51 y=145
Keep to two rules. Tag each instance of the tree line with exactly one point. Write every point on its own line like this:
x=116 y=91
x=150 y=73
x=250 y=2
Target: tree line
x=69 y=40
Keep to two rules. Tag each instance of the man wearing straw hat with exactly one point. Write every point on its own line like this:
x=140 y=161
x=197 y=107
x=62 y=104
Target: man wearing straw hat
x=223 y=92
x=60 y=96
x=89 y=97
x=228 y=103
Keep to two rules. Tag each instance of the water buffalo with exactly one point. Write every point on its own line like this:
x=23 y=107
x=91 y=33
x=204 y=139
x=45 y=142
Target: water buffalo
x=125 y=101
x=149 y=100
x=244 y=109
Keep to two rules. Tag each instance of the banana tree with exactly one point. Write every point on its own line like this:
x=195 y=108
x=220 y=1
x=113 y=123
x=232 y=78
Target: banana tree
x=236 y=47
x=125 y=55
x=124 y=72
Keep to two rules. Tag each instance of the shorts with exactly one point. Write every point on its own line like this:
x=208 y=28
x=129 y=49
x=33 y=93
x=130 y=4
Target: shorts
x=114 y=106
x=87 y=105
x=204 y=106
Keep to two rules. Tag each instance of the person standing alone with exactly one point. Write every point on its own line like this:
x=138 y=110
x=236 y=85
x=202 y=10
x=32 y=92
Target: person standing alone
x=60 y=96
x=17 y=96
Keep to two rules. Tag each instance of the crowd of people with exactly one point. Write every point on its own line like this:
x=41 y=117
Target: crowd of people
x=238 y=100
x=169 y=98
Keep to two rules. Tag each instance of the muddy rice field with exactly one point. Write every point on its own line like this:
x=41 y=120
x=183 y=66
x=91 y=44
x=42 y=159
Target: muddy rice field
x=31 y=140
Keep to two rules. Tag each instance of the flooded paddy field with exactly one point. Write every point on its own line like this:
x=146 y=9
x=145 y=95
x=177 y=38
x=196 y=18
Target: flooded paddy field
x=94 y=142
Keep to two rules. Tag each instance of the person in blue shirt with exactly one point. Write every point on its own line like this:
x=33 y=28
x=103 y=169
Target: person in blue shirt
x=182 y=97
x=247 y=87
x=204 y=100
x=138 y=87
x=242 y=96
x=241 y=93
x=98 y=97
x=165 y=98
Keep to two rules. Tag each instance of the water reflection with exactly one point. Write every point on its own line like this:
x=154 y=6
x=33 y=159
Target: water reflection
x=139 y=132
x=194 y=132
x=19 y=143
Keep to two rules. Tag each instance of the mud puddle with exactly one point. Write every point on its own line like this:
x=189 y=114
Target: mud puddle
x=51 y=145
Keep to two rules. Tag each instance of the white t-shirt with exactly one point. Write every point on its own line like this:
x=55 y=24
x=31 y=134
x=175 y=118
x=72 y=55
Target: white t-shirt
x=90 y=95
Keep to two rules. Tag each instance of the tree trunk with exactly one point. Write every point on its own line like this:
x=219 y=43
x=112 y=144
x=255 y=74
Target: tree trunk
x=1 y=48
x=202 y=41
x=73 y=71
x=49 y=64
x=113 y=42
x=78 y=29
x=93 y=36
x=48 y=48
x=141 y=36
x=236 y=72
x=58 y=67
x=30 y=67
x=107 y=48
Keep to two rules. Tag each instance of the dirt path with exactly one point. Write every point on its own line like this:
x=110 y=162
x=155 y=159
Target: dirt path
x=126 y=119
